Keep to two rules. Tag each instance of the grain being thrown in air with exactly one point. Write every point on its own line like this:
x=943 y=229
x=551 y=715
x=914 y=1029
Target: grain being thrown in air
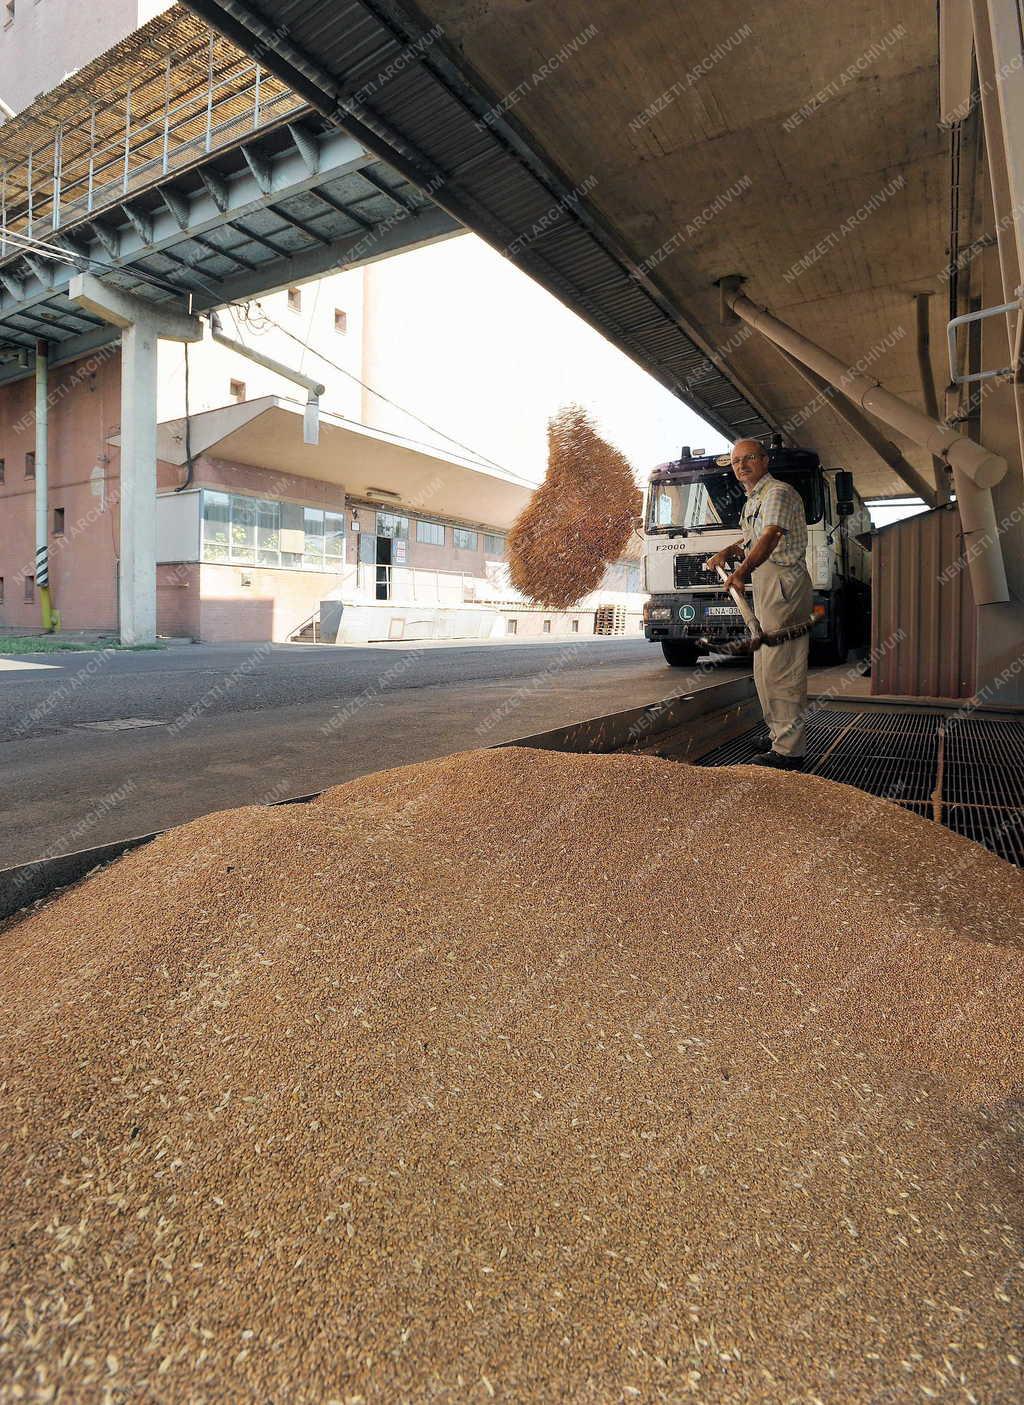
x=520 y=1076
x=580 y=518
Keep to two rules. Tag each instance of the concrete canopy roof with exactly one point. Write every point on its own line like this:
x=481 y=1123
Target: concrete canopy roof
x=797 y=144
x=628 y=155
x=267 y=433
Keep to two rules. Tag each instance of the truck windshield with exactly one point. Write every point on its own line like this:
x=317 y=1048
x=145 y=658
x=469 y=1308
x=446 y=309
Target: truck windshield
x=702 y=502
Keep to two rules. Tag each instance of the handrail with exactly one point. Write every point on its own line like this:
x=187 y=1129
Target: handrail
x=314 y=620
x=52 y=187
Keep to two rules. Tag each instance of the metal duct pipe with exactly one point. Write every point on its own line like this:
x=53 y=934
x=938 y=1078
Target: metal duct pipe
x=311 y=421
x=975 y=469
x=982 y=550
x=980 y=465
x=872 y=436
x=931 y=399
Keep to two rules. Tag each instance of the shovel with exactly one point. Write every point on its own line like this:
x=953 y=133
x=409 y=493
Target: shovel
x=757 y=634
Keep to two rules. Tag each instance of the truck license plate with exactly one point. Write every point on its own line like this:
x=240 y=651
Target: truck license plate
x=723 y=610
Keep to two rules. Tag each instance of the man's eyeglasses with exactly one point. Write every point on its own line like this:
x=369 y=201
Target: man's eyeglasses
x=747 y=458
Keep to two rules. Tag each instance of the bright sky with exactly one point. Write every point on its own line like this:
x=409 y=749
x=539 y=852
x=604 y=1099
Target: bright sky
x=474 y=346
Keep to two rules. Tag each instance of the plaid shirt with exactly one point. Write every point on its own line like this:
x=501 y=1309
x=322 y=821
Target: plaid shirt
x=774 y=503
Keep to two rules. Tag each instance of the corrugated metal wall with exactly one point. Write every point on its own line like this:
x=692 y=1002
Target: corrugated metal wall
x=923 y=629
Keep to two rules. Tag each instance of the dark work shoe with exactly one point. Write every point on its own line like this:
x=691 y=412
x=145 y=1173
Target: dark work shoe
x=761 y=744
x=778 y=762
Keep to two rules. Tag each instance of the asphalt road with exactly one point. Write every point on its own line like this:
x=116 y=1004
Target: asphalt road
x=245 y=724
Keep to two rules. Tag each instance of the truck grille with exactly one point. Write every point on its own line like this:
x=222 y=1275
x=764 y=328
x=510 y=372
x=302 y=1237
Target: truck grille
x=689 y=570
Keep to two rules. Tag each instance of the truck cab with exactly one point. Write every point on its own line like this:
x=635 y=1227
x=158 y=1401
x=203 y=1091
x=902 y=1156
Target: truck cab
x=692 y=510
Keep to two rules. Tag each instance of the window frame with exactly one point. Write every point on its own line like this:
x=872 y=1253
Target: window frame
x=465 y=532
x=435 y=526
x=400 y=518
x=331 y=534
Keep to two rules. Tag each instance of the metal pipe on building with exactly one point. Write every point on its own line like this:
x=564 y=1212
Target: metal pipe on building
x=42 y=417
x=311 y=420
x=975 y=469
x=979 y=464
x=870 y=433
x=931 y=399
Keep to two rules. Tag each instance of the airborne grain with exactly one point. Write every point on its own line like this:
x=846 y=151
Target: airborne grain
x=579 y=520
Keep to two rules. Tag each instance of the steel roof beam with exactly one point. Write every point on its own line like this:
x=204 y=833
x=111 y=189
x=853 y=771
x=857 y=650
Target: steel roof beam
x=306 y=144
x=221 y=203
x=352 y=250
x=345 y=210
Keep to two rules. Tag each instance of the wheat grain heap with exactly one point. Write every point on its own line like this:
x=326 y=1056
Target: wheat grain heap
x=520 y=1076
x=579 y=519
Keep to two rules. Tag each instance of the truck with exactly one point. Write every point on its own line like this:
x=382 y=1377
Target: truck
x=692 y=510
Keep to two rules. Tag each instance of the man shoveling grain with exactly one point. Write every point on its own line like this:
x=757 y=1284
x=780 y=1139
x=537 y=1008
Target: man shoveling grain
x=772 y=556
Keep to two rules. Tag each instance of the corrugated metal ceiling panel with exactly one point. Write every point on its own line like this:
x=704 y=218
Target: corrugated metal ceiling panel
x=387 y=77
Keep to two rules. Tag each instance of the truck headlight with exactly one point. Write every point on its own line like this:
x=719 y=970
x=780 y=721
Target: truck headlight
x=659 y=612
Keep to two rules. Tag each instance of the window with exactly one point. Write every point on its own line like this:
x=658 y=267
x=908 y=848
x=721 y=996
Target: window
x=244 y=517
x=334 y=538
x=3 y=470
x=511 y=626
x=547 y=626
x=30 y=465
x=390 y=524
x=294 y=300
x=1 y=590
x=340 y=321
x=216 y=526
x=575 y=626
x=236 y=390
x=58 y=521
x=268 y=532
x=262 y=532
x=465 y=540
x=494 y=545
x=30 y=589
x=430 y=533
x=313 y=526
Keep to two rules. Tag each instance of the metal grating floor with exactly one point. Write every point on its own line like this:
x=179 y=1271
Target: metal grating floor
x=967 y=772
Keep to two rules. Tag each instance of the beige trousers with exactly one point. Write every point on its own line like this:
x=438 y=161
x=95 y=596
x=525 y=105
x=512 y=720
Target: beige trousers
x=783 y=596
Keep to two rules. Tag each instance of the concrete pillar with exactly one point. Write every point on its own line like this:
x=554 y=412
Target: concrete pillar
x=136 y=581
x=142 y=325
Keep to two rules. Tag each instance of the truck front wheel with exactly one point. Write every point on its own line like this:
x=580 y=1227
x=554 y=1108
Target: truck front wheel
x=680 y=653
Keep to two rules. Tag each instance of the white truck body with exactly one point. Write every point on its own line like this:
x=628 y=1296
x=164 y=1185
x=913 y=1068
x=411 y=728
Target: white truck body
x=692 y=511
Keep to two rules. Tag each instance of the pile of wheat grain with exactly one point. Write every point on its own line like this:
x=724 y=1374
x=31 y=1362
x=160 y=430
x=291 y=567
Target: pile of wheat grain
x=526 y=1077
x=578 y=521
